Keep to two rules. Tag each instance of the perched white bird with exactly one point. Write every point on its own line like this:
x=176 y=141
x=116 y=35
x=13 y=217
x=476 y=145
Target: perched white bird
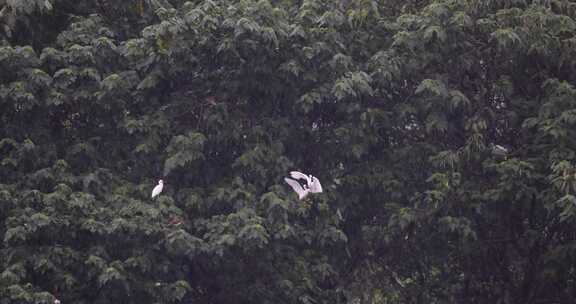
x=301 y=190
x=158 y=188
x=499 y=150
x=56 y=301
x=312 y=182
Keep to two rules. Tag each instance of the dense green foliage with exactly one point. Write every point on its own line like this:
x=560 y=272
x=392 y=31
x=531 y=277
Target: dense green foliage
x=394 y=105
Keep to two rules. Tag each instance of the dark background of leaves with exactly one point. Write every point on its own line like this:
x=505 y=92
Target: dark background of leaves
x=394 y=105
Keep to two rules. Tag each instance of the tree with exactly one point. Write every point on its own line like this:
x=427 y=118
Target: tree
x=394 y=105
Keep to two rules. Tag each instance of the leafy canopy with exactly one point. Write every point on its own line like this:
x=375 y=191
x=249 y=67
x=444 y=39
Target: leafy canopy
x=394 y=105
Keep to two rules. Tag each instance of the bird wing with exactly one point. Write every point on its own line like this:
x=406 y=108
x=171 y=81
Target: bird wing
x=156 y=190
x=315 y=186
x=297 y=187
x=300 y=175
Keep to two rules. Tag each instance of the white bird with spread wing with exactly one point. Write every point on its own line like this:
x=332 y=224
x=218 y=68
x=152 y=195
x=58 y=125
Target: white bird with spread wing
x=312 y=184
x=158 y=188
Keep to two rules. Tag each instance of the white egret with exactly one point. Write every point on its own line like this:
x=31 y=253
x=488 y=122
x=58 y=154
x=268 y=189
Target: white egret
x=499 y=150
x=158 y=188
x=301 y=190
x=312 y=182
x=311 y=185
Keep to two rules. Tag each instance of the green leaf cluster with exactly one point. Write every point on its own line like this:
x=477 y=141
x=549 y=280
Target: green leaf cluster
x=396 y=106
